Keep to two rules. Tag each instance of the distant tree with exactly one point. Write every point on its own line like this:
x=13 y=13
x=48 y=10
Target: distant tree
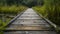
x=28 y=3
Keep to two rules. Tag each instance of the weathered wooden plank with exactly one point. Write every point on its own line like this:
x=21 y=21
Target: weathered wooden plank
x=29 y=20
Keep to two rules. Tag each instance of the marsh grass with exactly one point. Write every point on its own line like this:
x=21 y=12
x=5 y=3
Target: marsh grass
x=9 y=10
x=41 y=10
x=51 y=11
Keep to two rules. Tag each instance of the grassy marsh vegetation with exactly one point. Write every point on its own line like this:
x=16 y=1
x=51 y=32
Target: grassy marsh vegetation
x=10 y=10
x=51 y=11
x=6 y=12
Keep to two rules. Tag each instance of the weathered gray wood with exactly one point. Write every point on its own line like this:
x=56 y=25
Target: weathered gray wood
x=29 y=20
x=51 y=23
x=14 y=19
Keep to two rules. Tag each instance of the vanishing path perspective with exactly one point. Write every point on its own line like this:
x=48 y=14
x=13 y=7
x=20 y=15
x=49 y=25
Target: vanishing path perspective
x=29 y=23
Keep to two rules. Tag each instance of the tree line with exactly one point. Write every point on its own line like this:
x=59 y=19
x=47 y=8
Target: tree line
x=28 y=3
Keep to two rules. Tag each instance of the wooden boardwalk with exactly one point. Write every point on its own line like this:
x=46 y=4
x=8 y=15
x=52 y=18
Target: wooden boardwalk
x=29 y=23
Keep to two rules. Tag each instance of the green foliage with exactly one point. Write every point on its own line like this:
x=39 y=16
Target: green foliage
x=41 y=10
x=1 y=32
x=11 y=9
x=50 y=10
x=2 y=24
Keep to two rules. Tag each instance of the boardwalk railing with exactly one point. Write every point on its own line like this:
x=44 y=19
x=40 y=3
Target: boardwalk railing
x=48 y=21
x=14 y=18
